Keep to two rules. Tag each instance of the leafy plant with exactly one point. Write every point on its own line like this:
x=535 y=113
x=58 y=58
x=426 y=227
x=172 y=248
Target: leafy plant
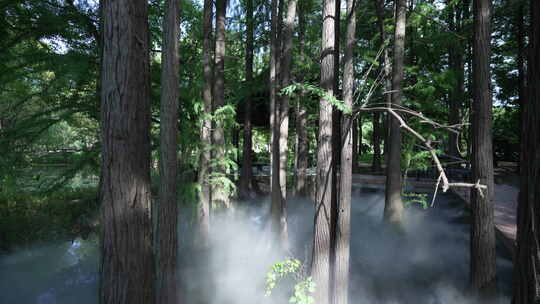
x=304 y=287
x=317 y=91
x=412 y=198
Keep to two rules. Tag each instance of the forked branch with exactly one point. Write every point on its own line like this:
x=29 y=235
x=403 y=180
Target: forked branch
x=446 y=184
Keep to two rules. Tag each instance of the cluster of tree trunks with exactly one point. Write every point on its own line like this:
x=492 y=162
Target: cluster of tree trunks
x=135 y=269
x=212 y=194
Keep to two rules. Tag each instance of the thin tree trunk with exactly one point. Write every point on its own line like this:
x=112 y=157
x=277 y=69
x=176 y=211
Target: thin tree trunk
x=127 y=262
x=285 y=71
x=354 y=140
x=336 y=145
x=457 y=94
x=343 y=231
x=387 y=66
x=483 y=255
x=467 y=16
x=273 y=81
x=522 y=95
x=393 y=208
x=167 y=232
x=376 y=165
x=247 y=174
x=359 y=131
x=527 y=259
x=320 y=267
x=276 y=207
x=220 y=196
x=302 y=142
x=205 y=197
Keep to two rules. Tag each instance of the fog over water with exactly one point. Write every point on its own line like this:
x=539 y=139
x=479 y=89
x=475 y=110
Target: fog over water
x=427 y=263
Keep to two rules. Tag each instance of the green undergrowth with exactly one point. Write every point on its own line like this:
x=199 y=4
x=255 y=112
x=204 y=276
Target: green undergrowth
x=27 y=216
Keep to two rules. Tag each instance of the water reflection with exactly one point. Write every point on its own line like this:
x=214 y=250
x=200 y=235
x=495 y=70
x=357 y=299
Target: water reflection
x=52 y=273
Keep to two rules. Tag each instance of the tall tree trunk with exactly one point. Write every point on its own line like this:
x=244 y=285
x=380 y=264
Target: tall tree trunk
x=457 y=94
x=343 y=231
x=302 y=142
x=273 y=81
x=467 y=11
x=246 y=178
x=285 y=72
x=205 y=197
x=281 y=125
x=320 y=267
x=393 y=208
x=98 y=86
x=483 y=255
x=220 y=197
x=127 y=261
x=387 y=66
x=336 y=114
x=376 y=165
x=527 y=259
x=167 y=224
x=522 y=95
x=336 y=145
x=276 y=203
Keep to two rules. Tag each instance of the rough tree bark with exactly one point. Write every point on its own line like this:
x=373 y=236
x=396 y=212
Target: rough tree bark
x=393 y=208
x=527 y=258
x=167 y=232
x=127 y=262
x=205 y=197
x=320 y=267
x=343 y=229
x=220 y=197
x=483 y=255
x=246 y=178
x=302 y=142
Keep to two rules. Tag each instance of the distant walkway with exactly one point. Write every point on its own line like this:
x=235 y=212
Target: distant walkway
x=505 y=201
x=505 y=211
x=379 y=181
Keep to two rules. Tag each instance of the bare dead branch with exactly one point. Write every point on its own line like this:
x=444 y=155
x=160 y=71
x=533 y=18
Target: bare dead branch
x=446 y=184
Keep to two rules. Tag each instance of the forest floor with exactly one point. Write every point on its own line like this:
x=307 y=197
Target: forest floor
x=427 y=263
x=505 y=198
